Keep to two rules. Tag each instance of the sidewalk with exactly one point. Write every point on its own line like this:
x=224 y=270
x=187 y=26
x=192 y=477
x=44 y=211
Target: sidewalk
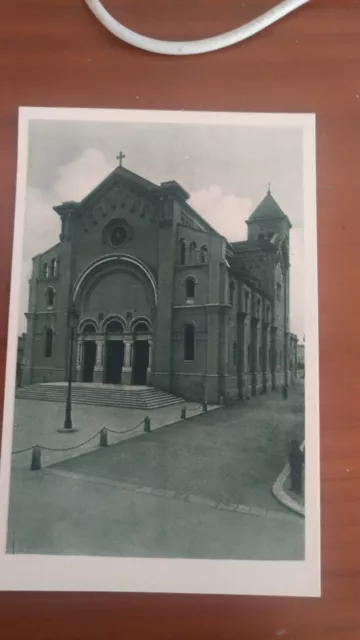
x=36 y=423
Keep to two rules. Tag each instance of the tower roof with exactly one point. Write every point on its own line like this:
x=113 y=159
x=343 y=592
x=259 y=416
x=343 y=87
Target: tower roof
x=268 y=209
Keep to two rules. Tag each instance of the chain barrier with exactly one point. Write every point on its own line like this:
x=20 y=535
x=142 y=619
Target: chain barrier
x=21 y=451
x=127 y=430
x=77 y=446
x=195 y=408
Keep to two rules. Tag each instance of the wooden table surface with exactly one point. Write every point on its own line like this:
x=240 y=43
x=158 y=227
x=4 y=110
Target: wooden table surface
x=54 y=53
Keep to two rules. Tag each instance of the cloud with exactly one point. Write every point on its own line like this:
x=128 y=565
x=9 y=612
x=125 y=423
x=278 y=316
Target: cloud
x=225 y=212
x=78 y=178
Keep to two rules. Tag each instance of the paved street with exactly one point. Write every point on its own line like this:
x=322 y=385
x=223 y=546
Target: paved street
x=199 y=488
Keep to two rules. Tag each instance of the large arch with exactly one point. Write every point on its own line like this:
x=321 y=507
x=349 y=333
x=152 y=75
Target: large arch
x=112 y=260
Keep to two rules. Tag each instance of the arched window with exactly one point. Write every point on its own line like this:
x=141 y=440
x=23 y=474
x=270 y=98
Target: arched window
x=258 y=307
x=234 y=353
x=46 y=270
x=249 y=357
x=48 y=342
x=89 y=327
x=192 y=255
x=114 y=326
x=182 y=251
x=246 y=301
x=190 y=288
x=141 y=327
x=231 y=292
x=50 y=297
x=278 y=292
x=53 y=268
x=261 y=234
x=204 y=254
x=189 y=342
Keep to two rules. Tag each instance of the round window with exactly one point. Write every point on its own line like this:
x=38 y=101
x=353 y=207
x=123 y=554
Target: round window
x=118 y=236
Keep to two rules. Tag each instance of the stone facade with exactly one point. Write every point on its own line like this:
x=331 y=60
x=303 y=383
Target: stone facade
x=163 y=299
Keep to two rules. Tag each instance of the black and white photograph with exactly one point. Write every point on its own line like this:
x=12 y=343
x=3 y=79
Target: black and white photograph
x=160 y=428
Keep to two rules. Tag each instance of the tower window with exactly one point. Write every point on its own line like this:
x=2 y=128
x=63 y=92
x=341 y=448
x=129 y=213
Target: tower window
x=182 y=251
x=261 y=235
x=50 y=297
x=278 y=292
x=46 y=270
x=189 y=342
x=246 y=301
x=204 y=254
x=193 y=248
x=190 y=288
x=249 y=357
x=53 y=268
x=48 y=342
x=234 y=353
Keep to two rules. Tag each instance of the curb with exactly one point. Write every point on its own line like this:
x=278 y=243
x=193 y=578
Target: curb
x=281 y=495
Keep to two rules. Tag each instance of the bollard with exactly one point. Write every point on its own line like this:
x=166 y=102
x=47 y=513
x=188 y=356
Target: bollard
x=183 y=413
x=103 y=437
x=35 y=458
x=204 y=407
x=147 y=425
x=285 y=392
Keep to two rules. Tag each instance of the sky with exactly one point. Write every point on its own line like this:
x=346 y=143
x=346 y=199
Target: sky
x=226 y=170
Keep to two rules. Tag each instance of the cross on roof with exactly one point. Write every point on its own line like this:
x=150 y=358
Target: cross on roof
x=120 y=157
x=269 y=187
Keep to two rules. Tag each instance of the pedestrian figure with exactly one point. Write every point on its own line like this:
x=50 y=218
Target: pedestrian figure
x=296 y=462
x=285 y=391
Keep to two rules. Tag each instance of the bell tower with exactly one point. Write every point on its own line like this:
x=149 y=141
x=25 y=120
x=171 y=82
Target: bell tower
x=268 y=221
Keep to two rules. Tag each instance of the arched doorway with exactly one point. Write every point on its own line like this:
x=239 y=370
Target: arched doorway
x=114 y=352
x=141 y=353
x=89 y=352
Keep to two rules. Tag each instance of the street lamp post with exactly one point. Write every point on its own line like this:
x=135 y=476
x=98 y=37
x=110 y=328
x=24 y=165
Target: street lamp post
x=72 y=321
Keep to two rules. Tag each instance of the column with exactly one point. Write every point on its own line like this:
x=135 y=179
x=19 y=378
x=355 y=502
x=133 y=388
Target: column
x=265 y=350
x=127 y=368
x=254 y=355
x=149 y=369
x=79 y=357
x=273 y=356
x=99 y=362
x=240 y=365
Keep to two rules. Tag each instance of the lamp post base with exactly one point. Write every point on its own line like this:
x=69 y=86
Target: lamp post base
x=67 y=430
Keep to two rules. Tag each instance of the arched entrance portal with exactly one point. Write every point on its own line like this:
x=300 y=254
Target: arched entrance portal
x=114 y=352
x=141 y=354
x=116 y=293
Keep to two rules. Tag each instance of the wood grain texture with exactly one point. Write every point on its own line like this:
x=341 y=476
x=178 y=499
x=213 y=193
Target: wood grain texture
x=54 y=53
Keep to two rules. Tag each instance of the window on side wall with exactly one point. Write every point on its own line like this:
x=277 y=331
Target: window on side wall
x=189 y=342
x=190 y=289
x=48 y=342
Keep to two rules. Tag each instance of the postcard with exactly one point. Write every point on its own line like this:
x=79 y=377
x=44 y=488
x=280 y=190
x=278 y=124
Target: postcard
x=161 y=416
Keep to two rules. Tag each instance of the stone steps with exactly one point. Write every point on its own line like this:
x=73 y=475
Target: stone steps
x=149 y=398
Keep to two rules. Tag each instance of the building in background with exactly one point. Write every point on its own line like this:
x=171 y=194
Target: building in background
x=164 y=299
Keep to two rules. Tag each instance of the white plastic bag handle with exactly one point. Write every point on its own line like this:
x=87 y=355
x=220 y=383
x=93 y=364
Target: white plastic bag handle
x=189 y=48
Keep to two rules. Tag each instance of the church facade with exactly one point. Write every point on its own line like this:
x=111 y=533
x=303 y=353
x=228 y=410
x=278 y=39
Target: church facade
x=163 y=299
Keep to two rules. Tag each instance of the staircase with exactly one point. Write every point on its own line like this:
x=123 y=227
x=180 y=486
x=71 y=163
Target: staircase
x=101 y=395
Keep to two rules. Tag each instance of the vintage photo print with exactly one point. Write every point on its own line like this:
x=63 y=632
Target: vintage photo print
x=160 y=427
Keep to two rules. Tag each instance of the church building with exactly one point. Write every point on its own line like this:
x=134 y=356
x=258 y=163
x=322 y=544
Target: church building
x=162 y=298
